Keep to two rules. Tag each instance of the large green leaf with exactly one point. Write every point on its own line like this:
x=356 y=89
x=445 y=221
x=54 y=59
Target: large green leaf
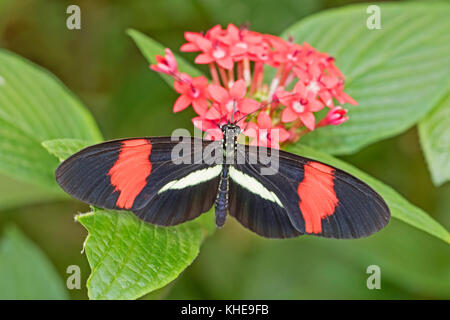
x=64 y=148
x=399 y=206
x=150 y=48
x=25 y=272
x=14 y=193
x=130 y=258
x=396 y=74
x=35 y=106
x=434 y=131
x=23 y=157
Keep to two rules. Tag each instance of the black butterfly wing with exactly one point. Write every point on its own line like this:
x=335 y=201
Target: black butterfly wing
x=162 y=181
x=257 y=205
x=302 y=196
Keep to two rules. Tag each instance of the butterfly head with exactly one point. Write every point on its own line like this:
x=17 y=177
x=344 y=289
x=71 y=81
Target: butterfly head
x=231 y=130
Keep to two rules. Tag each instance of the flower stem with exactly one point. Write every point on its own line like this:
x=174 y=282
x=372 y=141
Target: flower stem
x=230 y=77
x=256 y=76
x=286 y=73
x=214 y=75
x=223 y=76
x=247 y=72
x=276 y=81
x=240 y=70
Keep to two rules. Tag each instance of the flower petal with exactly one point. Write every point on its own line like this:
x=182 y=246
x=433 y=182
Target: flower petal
x=213 y=114
x=264 y=120
x=249 y=105
x=189 y=47
x=170 y=58
x=326 y=97
x=226 y=63
x=203 y=43
x=300 y=88
x=348 y=99
x=238 y=90
x=251 y=130
x=182 y=103
x=203 y=58
x=274 y=144
x=214 y=134
x=283 y=134
x=200 y=82
x=200 y=106
x=288 y=115
x=308 y=120
x=203 y=124
x=315 y=105
x=218 y=93
x=180 y=87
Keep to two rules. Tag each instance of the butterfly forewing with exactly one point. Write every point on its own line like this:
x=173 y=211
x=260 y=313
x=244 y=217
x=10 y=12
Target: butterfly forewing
x=316 y=198
x=143 y=175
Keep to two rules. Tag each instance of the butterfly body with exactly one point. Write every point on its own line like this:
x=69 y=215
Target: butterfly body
x=167 y=181
x=229 y=142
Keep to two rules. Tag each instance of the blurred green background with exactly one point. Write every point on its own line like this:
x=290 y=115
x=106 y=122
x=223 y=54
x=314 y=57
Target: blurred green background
x=102 y=65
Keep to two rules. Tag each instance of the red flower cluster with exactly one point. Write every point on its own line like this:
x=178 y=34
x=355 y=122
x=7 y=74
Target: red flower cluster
x=280 y=111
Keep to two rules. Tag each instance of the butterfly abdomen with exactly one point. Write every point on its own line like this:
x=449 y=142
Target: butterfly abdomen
x=221 y=204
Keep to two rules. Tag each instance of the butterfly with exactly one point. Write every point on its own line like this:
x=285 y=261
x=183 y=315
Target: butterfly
x=167 y=181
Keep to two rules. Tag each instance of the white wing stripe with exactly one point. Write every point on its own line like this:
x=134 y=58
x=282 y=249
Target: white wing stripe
x=253 y=185
x=193 y=178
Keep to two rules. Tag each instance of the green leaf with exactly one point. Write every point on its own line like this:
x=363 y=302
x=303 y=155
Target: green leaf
x=35 y=106
x=23 y=157
x=25 y=272
x=434 y=132
x=64 y=148
x=130 y=258
x=400 y=208
x=149 y=48
x=396 y=74
x=15 y=193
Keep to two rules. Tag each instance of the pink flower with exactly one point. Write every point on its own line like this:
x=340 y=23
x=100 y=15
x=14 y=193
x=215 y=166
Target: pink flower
x=285 y=51
x=301 y=104
x=335 y=117
x=194 y=37
x=166 y=64
x=319 y=74
x=215 y=52
x=241 y=42
x=212 y=49
x=317 y=81
x=341 y=96
x=193 y=91
x=238 y=59
x=234 y=99
x=264 y=133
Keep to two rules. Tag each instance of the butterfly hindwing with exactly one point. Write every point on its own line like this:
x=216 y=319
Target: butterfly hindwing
x=140 y=175
x=183 y=194
x=257 y=205
x=318 y=199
